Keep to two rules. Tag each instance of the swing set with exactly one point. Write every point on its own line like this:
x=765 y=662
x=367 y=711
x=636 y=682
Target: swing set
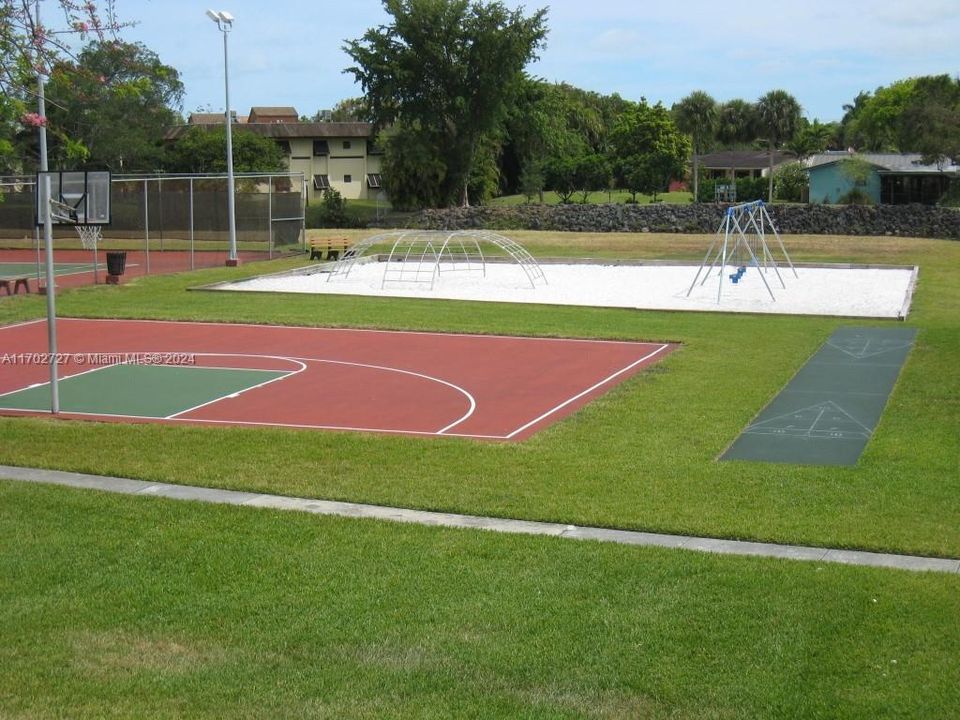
x=744 y=244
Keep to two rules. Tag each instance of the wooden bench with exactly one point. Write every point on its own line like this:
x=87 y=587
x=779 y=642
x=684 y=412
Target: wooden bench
x=331 y=246
x=17 y=284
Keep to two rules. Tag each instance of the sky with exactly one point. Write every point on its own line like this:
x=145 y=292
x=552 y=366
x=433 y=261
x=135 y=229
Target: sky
x=824 y=52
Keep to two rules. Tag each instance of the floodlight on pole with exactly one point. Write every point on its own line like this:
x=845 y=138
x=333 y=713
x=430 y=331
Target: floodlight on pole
x=224 y=21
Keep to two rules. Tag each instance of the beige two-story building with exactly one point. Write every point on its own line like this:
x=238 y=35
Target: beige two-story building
x=338 y=155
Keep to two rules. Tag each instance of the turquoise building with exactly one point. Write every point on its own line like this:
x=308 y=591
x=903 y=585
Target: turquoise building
x=895 y=178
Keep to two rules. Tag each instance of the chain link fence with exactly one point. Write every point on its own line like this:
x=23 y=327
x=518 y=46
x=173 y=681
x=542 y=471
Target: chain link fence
x=184 y=213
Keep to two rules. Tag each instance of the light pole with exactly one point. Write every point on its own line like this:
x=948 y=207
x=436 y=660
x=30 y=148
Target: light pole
x=224 y=21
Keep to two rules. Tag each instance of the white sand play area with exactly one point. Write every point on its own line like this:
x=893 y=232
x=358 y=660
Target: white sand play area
x=837 y=291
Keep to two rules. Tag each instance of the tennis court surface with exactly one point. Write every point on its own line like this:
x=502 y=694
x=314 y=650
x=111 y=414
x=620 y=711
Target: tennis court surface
x=475 y=386
x=75 y=268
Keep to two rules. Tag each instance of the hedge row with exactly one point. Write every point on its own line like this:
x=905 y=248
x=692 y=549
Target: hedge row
x=902 y=220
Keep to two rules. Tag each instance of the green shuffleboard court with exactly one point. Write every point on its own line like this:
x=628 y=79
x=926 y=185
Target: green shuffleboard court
x=829 y=410
x=153 y=391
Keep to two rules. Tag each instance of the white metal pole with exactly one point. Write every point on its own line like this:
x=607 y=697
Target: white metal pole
x=231 y=209
x=191 y=226
x=44 y=202
x=146 y=225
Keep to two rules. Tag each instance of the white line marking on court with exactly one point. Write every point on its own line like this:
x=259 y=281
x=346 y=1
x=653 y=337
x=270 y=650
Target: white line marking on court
x=345 y=428
x=590 y=389
x=21 y=324
x=445 y=431
x=60 y=378
x=541 y=338
x=471 y=402
x=302 y=365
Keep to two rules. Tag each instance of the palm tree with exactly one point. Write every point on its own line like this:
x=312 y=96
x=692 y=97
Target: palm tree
x=778 y=113
x=696 y=115
x=736 y=125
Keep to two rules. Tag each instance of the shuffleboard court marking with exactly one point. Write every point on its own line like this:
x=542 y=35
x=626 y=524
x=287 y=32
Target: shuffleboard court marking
x=830 y=409
x=859 y=352
x=824 y=420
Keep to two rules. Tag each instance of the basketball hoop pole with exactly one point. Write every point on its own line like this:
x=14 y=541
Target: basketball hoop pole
x=44 y=193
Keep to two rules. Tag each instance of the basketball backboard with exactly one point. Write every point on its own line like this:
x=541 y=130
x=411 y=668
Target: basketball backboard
x=77 y=197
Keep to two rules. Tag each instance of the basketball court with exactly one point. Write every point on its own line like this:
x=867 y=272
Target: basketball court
x=414 y=383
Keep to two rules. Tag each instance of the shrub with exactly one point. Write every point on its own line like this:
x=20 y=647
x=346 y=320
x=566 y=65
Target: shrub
x=951 y=198
x=856 y=196
x=789 y=182
x=330 y=212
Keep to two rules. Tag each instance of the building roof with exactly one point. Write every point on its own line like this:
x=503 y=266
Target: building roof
x=286 y=131
x=886 y=163
x=275 y=110
x=275 y=113
x=743 y=159
x=204 y=118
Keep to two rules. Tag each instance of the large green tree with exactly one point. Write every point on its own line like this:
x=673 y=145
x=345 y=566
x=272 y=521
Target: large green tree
x=650 y=149
x=696 y=115
x=549 y=121
x=814 y=137
x=878 y=121
x=203 y=149
x=35 y=35
x=115 y=100
x=930 y=124
x=447 y=71
x=778 y=114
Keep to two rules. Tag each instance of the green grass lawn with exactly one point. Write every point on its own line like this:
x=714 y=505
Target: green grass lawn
x=641 y=457
x=138 y=607
x=124 y=607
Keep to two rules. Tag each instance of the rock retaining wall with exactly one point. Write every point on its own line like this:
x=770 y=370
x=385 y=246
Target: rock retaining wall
x=902 y=220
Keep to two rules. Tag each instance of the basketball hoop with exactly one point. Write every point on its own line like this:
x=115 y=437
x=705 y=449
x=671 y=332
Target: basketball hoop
x=90 y=236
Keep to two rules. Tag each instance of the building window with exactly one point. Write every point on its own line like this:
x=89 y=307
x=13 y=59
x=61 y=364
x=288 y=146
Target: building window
x=320 y=148
x=346 y=144
x=321 y=182
x=348 y=178
x=284 y=146
x=374 y=180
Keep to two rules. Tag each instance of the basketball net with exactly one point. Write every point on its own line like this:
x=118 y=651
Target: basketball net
x=90 y=235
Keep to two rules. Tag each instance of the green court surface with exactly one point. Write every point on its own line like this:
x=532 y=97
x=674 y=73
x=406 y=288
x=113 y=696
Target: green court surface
x=11 y=270
x=153 y=391
x=829 y=410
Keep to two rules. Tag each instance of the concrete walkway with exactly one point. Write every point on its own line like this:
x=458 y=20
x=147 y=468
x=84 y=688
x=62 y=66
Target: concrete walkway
x=378 y=512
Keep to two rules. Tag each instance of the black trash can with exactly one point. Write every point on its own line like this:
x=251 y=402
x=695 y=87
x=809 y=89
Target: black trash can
x=116 y=262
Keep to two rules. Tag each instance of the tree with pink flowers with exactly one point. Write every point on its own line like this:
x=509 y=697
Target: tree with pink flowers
x=34 y=36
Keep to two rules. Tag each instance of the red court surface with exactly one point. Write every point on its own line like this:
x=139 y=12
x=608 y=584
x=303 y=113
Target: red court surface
x=417 y=383
x=160 y=263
